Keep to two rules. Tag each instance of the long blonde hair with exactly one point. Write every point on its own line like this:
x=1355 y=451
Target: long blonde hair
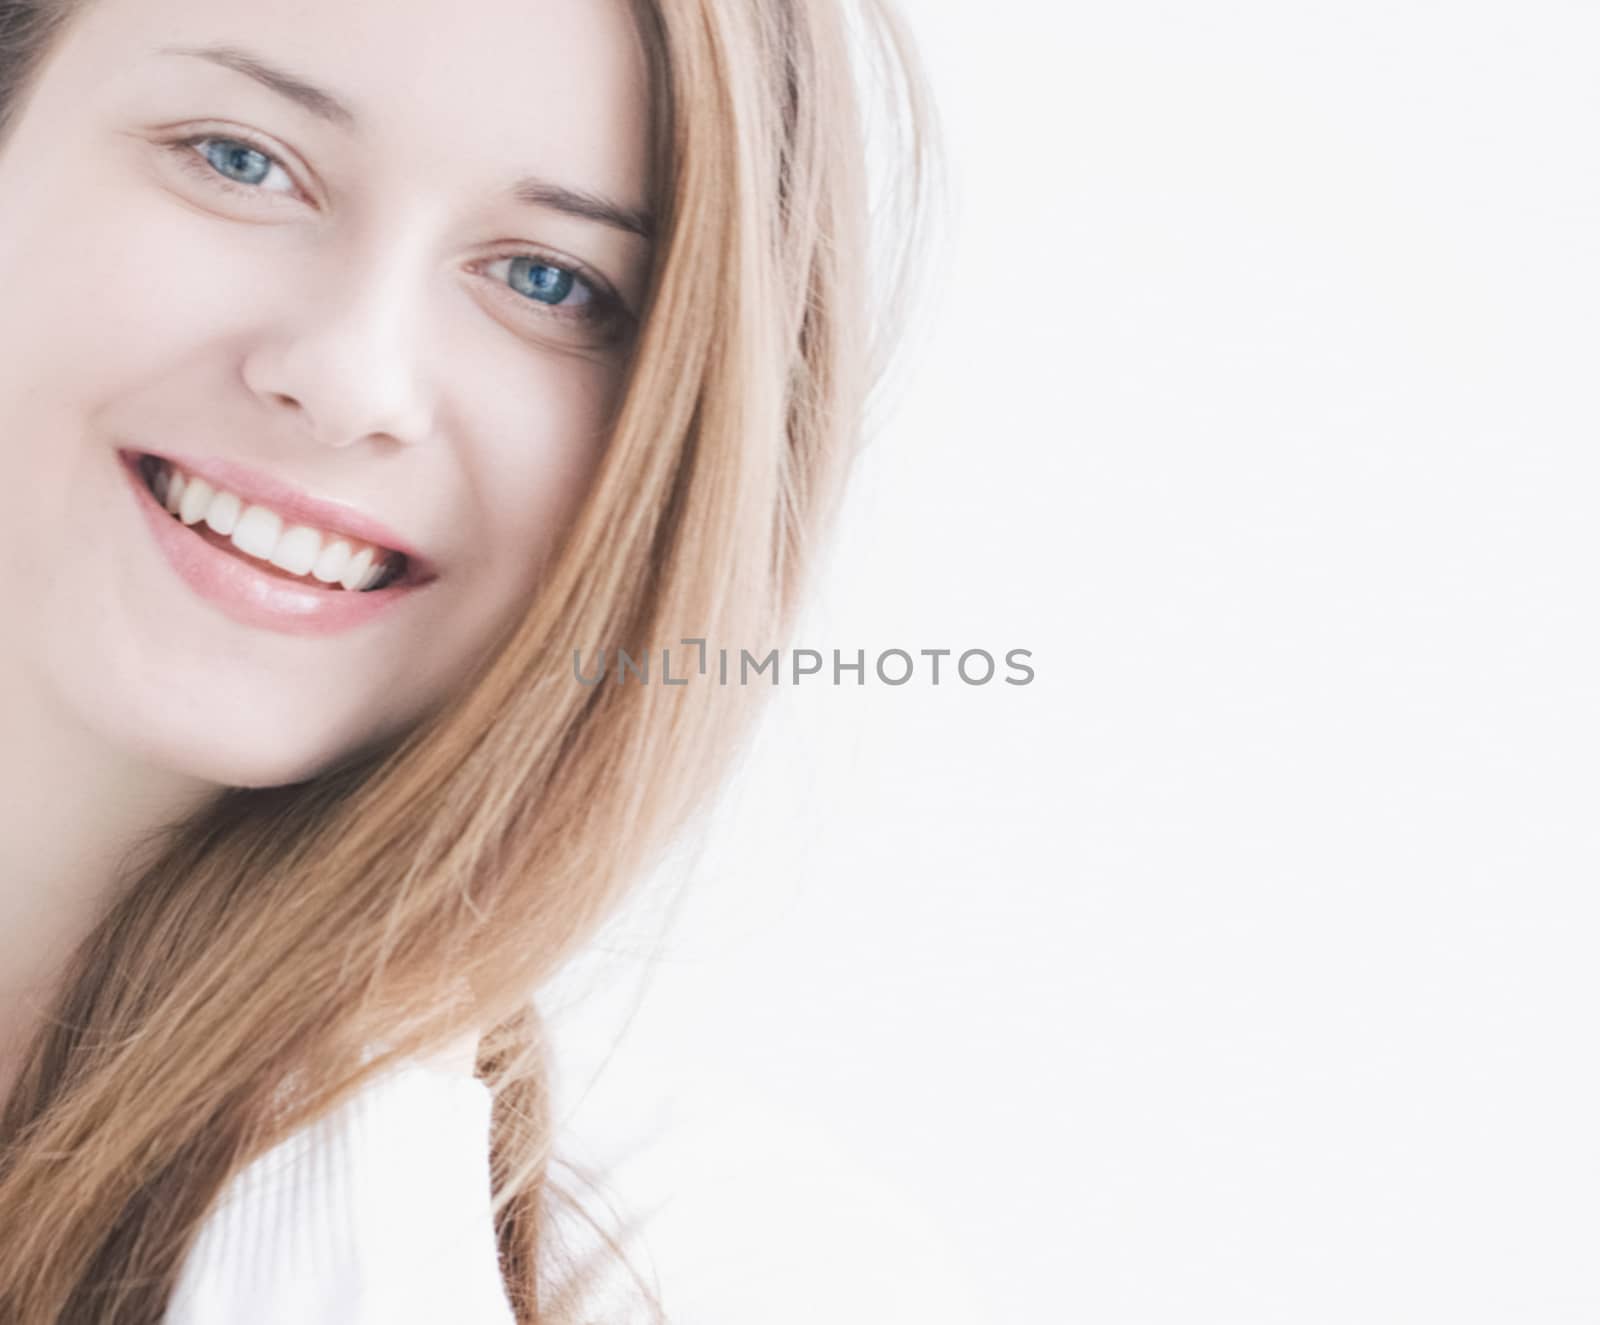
x=255 y=953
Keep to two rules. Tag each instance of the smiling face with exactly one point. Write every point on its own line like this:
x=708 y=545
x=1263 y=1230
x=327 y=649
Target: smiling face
x=376 y=254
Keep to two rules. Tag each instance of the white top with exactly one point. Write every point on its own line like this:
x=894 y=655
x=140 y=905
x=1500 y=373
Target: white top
x=378 y=1212
x=737 y=1211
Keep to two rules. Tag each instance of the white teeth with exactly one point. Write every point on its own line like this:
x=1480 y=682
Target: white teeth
x=330 y=565
x=257 y=532
x=355 y=574
x=261 y=532
x=297 y=550
x=223 y=513
x=197 y=495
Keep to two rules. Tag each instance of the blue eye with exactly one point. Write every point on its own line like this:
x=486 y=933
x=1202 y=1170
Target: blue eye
x=236 y=166
x=549 y=284
x=227 y=156
x=230 y=162
x=568 y=294
x=546 y=283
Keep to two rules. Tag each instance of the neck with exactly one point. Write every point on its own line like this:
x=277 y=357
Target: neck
x=76 y=812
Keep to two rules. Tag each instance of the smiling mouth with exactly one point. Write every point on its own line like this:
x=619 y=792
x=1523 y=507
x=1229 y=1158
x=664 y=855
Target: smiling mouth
x=257 y=534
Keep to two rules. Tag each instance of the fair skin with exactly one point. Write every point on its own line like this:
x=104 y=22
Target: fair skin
x=348 y=318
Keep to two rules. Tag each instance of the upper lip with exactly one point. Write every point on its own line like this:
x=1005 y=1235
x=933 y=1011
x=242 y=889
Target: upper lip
x=330 y=514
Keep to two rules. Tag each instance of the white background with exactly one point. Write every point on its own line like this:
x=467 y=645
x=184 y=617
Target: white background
x=1242 y=967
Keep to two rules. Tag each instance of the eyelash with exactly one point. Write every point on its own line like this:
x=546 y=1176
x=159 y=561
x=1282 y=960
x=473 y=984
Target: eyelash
x=604 y=312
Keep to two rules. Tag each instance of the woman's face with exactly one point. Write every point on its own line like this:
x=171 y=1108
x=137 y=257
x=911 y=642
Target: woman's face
x=323 y=285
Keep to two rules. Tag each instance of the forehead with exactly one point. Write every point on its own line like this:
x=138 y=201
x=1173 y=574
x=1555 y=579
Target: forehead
x=489 y=87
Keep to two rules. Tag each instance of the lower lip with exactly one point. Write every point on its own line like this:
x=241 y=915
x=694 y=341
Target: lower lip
x=250 y=596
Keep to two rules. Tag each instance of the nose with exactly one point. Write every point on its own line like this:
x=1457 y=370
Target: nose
x=346 y=357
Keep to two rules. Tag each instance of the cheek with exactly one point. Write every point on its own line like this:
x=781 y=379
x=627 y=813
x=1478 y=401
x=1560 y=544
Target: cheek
x=538 y=461
x=102 y=287
x=531 y=441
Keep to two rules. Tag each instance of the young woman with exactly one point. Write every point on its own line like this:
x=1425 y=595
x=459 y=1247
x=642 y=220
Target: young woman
x=362 y=365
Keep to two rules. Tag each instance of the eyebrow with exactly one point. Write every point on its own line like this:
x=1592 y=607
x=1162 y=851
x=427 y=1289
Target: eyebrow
x=531 y=190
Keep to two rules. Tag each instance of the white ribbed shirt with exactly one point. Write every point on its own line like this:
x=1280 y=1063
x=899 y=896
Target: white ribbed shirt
x=377 y=1212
